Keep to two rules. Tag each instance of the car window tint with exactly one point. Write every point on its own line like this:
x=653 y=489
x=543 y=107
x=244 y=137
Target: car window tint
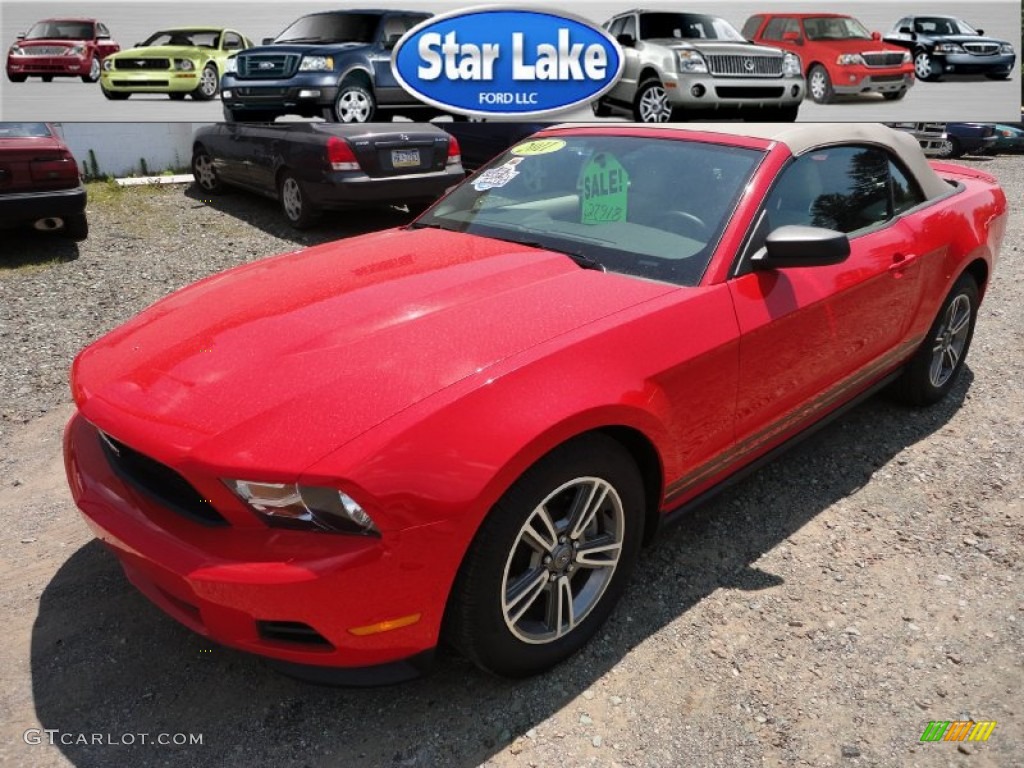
x=906 y=193
x=652 y=208
x=102 y=29
x=774 y=29
x=751 y=26
x=629 y=28
x=232 y=41
x=616 y=28
x=841 y=188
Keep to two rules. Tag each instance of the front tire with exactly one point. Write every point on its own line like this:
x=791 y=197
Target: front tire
x=550 y=560
x=295 y=203
x=819 y=85
x=209 y=84
x=354 y=103
x=94 y=71
x=651 y=104
x=934 y=368
x=17 y=78
x=924 y=66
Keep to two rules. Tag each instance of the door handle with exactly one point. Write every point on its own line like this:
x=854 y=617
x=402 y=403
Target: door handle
x=900 y=262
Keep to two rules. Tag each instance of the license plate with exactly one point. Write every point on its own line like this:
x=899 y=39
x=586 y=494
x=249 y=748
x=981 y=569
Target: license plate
x=405 y=158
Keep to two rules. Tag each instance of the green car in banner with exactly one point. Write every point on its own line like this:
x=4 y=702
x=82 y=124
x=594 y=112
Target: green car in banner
x=178 y=62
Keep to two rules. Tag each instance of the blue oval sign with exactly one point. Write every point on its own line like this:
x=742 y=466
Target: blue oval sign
x=499 y=61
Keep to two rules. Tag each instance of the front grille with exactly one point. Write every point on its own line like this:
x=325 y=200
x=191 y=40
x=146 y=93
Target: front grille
x=883 y=59
x=982 y=49
x=731 y=92
x=45 y=50
x=140 y=83
x=141 y=65
x=744 y=66
x=267 y=66
x=48 y=68
x=292 y=632
x=159 y=481
x=261 y=93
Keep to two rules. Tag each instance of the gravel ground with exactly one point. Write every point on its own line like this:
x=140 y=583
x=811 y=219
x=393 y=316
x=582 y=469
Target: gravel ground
x=819 y=613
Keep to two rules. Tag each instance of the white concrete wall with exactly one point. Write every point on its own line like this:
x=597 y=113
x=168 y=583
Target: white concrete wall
x=120 y=147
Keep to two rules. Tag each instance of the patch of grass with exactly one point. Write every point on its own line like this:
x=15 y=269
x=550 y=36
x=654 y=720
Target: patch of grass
x=109 y=194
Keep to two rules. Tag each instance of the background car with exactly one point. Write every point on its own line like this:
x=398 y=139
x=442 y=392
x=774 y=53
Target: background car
x=967 y=139
x=480 y=141
x=464 y=430
x=312 y=167
x=946 y=45
x=684 y=64
x=838 y=53
x=60 y=48
x=179 y=62
x=40 y=185
x=335 y=65
x=1009 y=138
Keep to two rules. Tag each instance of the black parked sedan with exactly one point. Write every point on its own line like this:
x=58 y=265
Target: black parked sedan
x=311 y=167
x=946 y=45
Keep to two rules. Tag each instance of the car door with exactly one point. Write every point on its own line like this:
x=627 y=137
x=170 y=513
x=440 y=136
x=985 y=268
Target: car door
x=393 y=26
x=625 y=88
x=231 y=152
x=810 y=337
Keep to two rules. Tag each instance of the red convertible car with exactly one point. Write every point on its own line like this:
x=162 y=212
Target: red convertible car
x=61 y=48
x=465 y=428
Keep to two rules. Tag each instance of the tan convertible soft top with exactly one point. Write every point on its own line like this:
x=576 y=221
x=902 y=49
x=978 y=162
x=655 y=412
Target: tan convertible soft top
x=804 y=137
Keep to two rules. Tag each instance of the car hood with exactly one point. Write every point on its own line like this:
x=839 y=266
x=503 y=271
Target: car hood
x=720 y=47
x=287 y=359
x=161 y=52
x=50 y=41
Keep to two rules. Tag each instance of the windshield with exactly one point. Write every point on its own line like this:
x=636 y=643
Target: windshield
x=687 y=26
x=60 y=30
x=332 y=28
x=826 y=28
x=24 y=131
x=651 y=208
x=942 y=25
x=203 y=38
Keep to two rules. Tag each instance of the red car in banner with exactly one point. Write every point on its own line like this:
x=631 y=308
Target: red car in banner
x=465 y=428
x=61 y=48
x=839 y=55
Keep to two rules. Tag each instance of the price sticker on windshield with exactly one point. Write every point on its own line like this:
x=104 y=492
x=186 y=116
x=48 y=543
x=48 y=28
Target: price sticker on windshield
x=605 y=188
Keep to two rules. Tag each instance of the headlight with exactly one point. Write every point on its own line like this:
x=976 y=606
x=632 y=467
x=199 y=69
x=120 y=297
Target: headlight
x=231 y=66
x=692 y=62
x=316 y=64
x=108 y=64
x=185 y=65
x=849 y=59
x=304 y=506
x=948 y=48
x=75 y=50
x=1006 y=48
x=791 y=65
x=17 y=51
x=907 y=58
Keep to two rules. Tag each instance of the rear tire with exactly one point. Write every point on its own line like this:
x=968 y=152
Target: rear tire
x=47 y=78
x=935 y=367
x=295 y=203
x=205 y=173
x=600 y=109
x=538 y=582
x=76 y=227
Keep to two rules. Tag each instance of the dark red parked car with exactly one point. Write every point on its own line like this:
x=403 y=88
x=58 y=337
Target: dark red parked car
x=61 y=48
x=839 y=55
x=39 y=181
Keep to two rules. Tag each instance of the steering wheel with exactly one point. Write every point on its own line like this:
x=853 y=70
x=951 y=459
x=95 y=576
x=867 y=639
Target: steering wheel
x=685 y=224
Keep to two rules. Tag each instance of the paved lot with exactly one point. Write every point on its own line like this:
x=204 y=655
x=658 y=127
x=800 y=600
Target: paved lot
x=819 y=614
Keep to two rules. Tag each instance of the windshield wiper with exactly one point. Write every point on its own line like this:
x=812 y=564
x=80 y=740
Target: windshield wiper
x=581 y=259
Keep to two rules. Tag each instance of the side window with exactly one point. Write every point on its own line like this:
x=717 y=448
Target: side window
x=841 y=188
x=629 y=28
x=904 y=22
x=751 y=26
x=232 y=42
x=792 y=26
x=906 y=193
x=616 y=28
x=394 y=27
x=101 y=30
x=775 y=29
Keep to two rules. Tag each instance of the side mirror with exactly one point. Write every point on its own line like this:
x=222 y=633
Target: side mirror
x=798 y=246
x=137 y=45
x=626 y=40
x=21 y=36
x=907 y=31
x=268 y=41
x=876 y=36
x=981 y=32
x=792 y=37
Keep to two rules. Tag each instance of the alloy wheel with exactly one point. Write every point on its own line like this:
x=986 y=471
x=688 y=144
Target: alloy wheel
x=208 y=82
x=923 y=66
x=202 y=168
x=817 y=85
x=563 y=560
x=654 y=106
x=291 y=199
x=354 y=107
x=950 y=341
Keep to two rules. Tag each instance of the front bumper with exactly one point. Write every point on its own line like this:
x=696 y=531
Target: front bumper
x=57 y=66
x=229 y=583
x=306 y=93
x=26 y=207
x=150 y=81
x=968 y=64
x=710 y=92
x=860 y=79
x=343 y=189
